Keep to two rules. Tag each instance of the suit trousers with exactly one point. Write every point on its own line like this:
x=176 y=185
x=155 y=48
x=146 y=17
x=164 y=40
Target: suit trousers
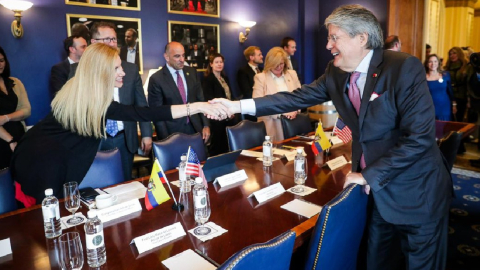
x=424 y=246
x=119 y=142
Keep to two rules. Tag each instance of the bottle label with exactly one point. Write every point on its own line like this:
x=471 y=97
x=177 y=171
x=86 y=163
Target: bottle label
x=267 y=151
x=200 y=201
x=50 y=211
x=94 y=241
x=299 y=165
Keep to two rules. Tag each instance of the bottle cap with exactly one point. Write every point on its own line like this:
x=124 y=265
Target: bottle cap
x=183 y=158
x=299 y=150
x=48 y=192
x=91 y=214
x=267 y=137
x=198 y=180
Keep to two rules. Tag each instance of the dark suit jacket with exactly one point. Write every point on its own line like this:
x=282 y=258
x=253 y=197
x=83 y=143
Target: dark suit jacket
x=212 y=87
x=245 y=81
x=59 y=75
x=131 y=93
x=295 y=65
x=162 y=90
x=123 y=55
x=396 y=133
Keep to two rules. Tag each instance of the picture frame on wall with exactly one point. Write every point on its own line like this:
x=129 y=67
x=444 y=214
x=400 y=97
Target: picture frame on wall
x=210 y=8
x=122 y=25
x=115 y=4
x=199 y=40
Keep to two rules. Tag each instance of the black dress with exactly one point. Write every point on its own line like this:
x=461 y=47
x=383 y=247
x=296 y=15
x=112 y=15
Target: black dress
x=49 y=155
x=8 y=104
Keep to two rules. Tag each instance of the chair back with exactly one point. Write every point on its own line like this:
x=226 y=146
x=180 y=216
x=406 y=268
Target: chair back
x=7 y=192
x=106 y=170
x=169 y=150
x=300 y=125
x=449 y=147
x=339 y=229
x=246 y=135
x=273 y=255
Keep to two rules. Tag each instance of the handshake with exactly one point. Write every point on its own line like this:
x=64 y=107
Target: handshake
x=219 y=108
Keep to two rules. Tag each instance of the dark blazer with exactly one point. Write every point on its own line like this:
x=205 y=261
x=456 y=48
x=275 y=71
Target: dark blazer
x=59 y=75
x=212 y=87
x=162 y=90
x=396 y=133
x=123 y=55
x=131 y=93
x=245 y=81
x=295 y=65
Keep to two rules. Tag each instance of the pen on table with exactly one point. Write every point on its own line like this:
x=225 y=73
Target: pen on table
x=207 y=258
x=304 y=137
x=288 y=147
x=300 y=141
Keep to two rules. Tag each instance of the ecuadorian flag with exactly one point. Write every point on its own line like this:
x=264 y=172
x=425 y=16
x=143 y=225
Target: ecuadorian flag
x=156 y=193
x=321 y=141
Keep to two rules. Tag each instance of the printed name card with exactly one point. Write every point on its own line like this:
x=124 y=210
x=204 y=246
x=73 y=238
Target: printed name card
x=232 y=178
x=119 y=210
x=267 y=193
x=335 y=140
x=5 y=247
x=158 y=237
x=337 y=163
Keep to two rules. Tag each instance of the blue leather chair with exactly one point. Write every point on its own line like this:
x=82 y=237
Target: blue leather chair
x=272 y=255
x=169 y=150
x=339 y=229
x=246 y=135
x=298 y=126
x=7 y=192
x=106 y=170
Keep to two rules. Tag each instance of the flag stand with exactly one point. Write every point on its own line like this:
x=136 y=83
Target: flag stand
x=177 y=206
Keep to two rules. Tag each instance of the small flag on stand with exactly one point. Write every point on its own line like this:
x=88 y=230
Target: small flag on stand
x=156 y=193
x=321 y=141
x=193 y=166
x=342 y=131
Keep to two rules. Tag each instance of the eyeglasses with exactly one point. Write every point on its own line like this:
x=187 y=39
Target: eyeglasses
x=332 y=38
x=107 y=40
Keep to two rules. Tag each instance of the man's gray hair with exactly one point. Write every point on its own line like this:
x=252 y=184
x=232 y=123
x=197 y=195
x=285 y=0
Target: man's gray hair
x=355 y=20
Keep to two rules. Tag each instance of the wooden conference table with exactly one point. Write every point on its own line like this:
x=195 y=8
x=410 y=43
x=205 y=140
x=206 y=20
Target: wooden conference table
x=247 y=221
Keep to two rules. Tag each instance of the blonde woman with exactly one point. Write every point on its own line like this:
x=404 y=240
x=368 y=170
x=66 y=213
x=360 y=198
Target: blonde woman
x=62 y=147
x=276 y=77
x=459 y=70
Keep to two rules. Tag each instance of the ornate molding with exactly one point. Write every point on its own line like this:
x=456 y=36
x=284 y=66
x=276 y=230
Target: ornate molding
x=460 y=3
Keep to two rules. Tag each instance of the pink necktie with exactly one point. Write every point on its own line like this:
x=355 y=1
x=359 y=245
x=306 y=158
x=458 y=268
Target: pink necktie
x=354 y=96
x=181 y=89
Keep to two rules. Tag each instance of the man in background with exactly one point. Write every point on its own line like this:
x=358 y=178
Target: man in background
x=393 y=43
x=129 y=52
x=290 y=47
x=245 y=74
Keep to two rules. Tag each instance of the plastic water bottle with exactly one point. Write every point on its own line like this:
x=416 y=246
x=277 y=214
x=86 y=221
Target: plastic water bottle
x=51 y=215
x=300 y=164
x=267 y=152
x=96 y=253
x=201 y=203
x=185 y=185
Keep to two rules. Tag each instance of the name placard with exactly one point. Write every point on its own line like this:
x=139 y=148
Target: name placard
x=335 y=140
x=119 y=210
x=5 y=247
x=337 y=163
x=267 y=193
x=232 y=178
x=158 y=237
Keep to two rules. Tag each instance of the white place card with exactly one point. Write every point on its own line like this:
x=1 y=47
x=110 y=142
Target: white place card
x=5 y=247
x=305 y=192
x=250 y=153
x=335 y=140
x=269 y=192
x=303 y=208
x=127 y=192
x=158 y=237
x=188 y=260
x=215 y=231
x=119 y=210
x=282 y=152
x=232 y=178
x=65 y=224
x=337 y=163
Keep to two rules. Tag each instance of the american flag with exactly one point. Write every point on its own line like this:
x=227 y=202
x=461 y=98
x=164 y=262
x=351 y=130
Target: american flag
x=342 y=131
x=193 y=166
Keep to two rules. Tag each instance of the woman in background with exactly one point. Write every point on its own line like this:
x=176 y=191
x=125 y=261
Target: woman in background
x=215 y=84
x=457 y=67
x=62 y=147
x=14 y=107
x=276 y=77
x=440 y=87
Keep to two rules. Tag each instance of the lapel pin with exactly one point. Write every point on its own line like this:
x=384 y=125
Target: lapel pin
x=375 y=75
x=188 y=74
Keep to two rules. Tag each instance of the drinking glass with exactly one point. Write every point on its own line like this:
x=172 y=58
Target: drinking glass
x=72 y=201
x=202 y=214
x=71 y=251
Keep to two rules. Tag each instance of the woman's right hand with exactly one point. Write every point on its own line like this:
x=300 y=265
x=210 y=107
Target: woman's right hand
x=215 y=111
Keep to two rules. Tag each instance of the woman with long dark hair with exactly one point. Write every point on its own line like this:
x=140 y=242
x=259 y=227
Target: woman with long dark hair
x=440 y=86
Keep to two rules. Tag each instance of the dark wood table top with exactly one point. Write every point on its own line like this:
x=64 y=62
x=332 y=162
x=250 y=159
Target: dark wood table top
x=443 y=128
x=247 y=221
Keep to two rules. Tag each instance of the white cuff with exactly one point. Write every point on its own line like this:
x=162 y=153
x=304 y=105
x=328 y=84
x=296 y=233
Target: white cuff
x=248 y=106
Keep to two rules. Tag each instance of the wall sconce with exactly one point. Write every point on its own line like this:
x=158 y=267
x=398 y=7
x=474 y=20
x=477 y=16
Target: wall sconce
x=247 y=24
x=17 y=6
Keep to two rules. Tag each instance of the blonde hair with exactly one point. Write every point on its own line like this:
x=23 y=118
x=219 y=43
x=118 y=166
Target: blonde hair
x=274 y=58
x=80 y=106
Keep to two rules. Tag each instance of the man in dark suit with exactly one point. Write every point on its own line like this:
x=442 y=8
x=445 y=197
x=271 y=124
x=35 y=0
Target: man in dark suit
x=131 y=93
x=129 y=52
x=384 y=99
x=245 y=74
x=74 y=46
x=290 y=47
x=174 y=84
